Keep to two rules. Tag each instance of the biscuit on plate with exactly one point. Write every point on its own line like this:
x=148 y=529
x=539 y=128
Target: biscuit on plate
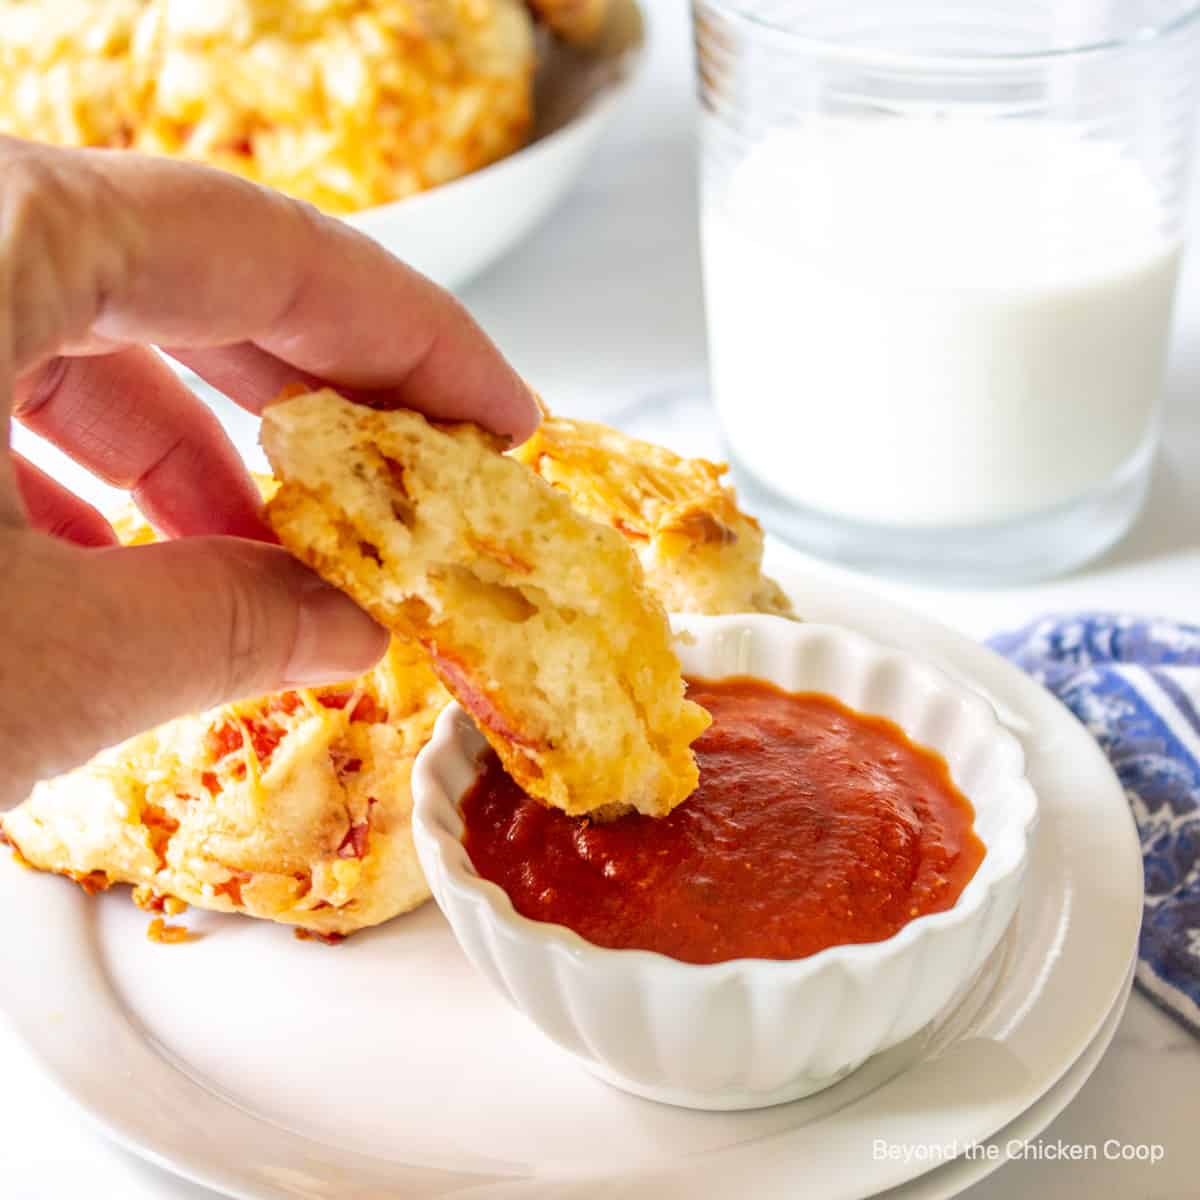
x=294 y=807
x=700 y=552
x=536 y=618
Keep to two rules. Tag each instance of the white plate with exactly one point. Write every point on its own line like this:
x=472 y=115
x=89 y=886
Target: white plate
x=454 y=231
x=271 y=1068
x=953 y=1178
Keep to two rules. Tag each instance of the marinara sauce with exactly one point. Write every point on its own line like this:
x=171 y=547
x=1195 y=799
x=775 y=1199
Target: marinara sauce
x=813 y=826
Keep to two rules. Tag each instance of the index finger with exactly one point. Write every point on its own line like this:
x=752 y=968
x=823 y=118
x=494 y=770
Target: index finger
x=206 y=259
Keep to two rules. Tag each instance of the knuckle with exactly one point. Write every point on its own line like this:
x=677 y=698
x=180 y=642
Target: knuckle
x=68 y=705
x=86 y=528
x=40 y=389
x=250 y=645
x=313 y=234
x=242 y=635
x=35 y=211
x=65 y=234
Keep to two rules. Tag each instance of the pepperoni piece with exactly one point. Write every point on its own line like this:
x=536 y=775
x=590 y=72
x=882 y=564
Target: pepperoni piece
x=354 y=844
x=222 y=740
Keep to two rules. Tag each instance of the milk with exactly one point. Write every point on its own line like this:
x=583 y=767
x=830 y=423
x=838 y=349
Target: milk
x=936 y=323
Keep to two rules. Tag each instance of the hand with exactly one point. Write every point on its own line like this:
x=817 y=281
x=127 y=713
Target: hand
x=102 y=255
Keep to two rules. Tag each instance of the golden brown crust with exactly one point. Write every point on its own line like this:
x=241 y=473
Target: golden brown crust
x=537 y=619
x=700 y=552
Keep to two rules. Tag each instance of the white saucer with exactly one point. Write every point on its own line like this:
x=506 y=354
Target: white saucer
x=270 y=1068
x=950 y=1180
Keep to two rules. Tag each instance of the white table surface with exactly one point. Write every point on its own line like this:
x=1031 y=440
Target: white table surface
x=600 y=308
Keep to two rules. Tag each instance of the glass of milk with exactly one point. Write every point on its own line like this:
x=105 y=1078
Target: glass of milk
x=941 y=242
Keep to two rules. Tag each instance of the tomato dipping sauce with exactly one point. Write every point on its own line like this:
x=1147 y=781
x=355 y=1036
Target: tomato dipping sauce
x=813 y=826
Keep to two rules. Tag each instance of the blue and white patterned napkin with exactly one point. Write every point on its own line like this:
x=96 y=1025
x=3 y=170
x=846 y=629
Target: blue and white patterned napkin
x=1135 y=684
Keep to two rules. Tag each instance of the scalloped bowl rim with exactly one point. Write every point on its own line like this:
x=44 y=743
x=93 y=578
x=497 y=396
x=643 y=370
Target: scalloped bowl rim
x=436 y=815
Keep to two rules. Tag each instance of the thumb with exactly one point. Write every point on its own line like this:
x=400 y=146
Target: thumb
x=111 y=642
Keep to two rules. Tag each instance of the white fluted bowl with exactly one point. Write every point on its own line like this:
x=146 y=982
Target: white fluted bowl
x=747 y=1032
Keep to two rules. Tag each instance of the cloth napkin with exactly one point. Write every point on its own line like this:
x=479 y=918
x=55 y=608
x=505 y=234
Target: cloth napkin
x=1135 y=684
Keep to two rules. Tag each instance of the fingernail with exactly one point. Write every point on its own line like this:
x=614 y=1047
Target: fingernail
x=540 y=411
x=335 y=639
x=543 y=410
x=535 y=412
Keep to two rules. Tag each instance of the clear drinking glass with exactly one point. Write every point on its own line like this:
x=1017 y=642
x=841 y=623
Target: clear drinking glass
x=941 y=242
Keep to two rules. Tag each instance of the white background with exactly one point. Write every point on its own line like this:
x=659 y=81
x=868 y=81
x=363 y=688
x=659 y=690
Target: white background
x=601 y=308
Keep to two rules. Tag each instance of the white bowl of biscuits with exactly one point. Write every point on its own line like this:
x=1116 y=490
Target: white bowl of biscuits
x=446 y=129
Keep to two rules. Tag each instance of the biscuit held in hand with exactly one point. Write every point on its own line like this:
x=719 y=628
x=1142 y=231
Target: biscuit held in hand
x=537 y=619
x=700 y=552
